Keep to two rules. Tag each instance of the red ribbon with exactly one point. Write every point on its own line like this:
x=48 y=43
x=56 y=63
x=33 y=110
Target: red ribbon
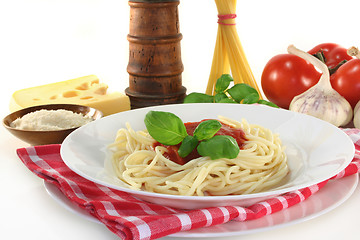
x=223 y=17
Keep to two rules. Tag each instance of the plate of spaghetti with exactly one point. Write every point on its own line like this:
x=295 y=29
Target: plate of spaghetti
x=201 y=155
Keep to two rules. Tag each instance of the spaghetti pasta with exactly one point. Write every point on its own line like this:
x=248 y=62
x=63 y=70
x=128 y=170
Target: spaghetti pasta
x=260 y=165
x=229 y=53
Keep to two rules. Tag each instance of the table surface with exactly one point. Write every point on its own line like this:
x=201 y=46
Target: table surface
x=50 y=41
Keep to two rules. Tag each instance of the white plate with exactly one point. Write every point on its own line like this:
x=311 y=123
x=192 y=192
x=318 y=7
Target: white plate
x=328 y=198
x=316 y=149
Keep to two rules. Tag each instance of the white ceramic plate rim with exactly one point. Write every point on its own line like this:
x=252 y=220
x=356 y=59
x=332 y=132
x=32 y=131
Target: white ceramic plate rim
x=69 y=155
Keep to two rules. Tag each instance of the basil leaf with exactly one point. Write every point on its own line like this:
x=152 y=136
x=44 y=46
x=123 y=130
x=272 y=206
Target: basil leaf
x=251 y=98
x=220 y=96
x=223 y=83
x=220 y=146
x=187 y=146
x=198 y=98
x=239 y=91
x=227 y=100
x=261 y=101
x=165 y=127
x=207 y=129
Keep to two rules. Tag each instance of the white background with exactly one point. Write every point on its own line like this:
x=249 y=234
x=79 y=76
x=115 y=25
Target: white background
x=45 y=41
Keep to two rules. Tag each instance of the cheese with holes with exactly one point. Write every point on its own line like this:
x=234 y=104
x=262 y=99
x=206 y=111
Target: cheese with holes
x=86 y=91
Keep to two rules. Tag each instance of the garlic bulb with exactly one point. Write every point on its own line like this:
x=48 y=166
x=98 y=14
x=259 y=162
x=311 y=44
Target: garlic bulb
x=357 y=115
x=321 y=100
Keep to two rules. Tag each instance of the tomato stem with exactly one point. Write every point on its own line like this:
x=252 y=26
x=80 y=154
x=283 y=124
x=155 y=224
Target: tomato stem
x=334 y=69
x=320 y=55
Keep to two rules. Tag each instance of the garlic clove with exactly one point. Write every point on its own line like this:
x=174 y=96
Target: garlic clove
x=330 y=107
x=357 y=115
x=321 y=100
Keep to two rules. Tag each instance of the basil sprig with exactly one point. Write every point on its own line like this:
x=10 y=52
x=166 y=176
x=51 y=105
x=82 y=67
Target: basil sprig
x=238 y=93
x=220 y=146
x=207 y=129
x=168 y=129
x=165 y=127
x=187 y=146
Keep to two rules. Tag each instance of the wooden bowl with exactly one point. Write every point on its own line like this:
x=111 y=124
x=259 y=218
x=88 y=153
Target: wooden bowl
x=47 y=137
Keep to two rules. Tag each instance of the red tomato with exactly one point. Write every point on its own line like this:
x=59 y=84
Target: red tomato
x=346 y=81
x=333 y=53
x=286 y=76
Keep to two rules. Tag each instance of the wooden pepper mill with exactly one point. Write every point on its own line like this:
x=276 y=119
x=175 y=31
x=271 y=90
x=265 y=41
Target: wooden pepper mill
x=155 y=65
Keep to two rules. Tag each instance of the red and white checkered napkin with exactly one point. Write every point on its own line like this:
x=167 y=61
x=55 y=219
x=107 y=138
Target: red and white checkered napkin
x=131 y=218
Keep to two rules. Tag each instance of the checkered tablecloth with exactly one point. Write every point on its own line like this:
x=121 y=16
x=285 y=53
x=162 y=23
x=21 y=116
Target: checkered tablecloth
x=131 y=218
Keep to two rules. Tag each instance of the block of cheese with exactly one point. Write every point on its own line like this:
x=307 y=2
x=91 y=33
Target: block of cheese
x=86 y=91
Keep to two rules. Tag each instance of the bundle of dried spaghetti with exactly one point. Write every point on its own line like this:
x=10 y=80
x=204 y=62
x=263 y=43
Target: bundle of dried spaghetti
x=229 y=53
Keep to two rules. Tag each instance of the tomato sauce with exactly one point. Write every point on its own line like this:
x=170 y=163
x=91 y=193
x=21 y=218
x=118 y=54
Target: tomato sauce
x=172 y=151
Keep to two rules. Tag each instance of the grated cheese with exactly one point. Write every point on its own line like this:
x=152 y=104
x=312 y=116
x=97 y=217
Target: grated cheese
x=49 y=120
